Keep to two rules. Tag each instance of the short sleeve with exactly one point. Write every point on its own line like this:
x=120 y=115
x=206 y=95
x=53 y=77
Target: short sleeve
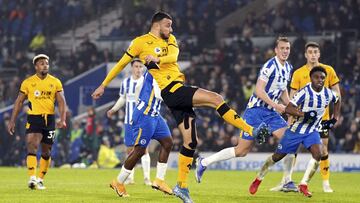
x=334 y=96
x=266 y=71
x=122 y=89
x=24 y=88
x=298 y=98
x=134 y=48
x=295 y=81
x=333 y=78
x=59 y=86
x=172 y=41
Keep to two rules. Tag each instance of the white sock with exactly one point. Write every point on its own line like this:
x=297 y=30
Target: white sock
x=123 y=175
x=265 y=168
x=224 y=154
x=33 y=178
x=288 y=166
x=312 y=166
x=161 y=170
x=145 y=163
x=131 y=176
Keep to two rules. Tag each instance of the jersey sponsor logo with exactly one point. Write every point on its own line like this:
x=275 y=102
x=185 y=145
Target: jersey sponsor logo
x=42 y=94
x=279 y=146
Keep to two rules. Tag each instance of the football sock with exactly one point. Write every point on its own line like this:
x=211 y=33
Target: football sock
x=31 y=163
x=185 y=162
x=222 y=155
x=312 y=166
x=288 y=165
x=324 y=168
x=161 y=170
x=230 y=116
x=265 y=168
x=44 y=166
x=145 y=163
x=123 y=175
x=131 y=176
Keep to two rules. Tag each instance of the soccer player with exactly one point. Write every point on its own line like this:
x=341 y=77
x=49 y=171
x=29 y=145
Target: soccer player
x=263 y=106
x=147 y=124
x=127 y=97
x=159 y=51
x=41 y=89
x=299 y=80
x=312 y=101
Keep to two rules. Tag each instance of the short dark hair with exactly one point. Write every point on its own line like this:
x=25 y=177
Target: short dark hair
x=317 y=69
x=158 y=16
x=281 y=39
x=311 y=44
x=135 y=60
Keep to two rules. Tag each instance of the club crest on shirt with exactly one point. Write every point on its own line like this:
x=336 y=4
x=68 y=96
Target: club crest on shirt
x=142 y=141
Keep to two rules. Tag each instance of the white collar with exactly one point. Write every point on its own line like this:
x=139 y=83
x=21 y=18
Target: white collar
x=278 y=62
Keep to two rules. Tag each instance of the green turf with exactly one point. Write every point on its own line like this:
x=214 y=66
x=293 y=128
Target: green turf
x=91 y=185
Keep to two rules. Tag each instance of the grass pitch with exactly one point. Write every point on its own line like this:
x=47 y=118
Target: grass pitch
x=92 y=185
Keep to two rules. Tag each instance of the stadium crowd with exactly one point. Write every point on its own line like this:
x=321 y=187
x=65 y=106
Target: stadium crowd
x=229 y=69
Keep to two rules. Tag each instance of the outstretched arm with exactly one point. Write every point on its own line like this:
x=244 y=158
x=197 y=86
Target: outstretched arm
x=17 y=106
x=119 y=103
x=125 y=59
x=260 y=92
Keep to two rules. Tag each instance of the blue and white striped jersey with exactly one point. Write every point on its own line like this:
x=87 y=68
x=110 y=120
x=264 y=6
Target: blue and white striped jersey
x=150 y=96
x=277 y=77
x=127 y=90
x=308 y=99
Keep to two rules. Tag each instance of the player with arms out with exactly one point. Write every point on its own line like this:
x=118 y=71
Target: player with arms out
x=127 y=98
x=263 y=106
x=41 y=89
x=308 y=105
x=147 y=124
x=159 y=51
x=301 y=78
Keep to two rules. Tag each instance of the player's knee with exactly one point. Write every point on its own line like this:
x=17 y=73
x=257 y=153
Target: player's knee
x=239 y=152
x=277 y=157
x=45 y=156
x=138 y=151
x=32 y=148
x=217 y=99
x=324 y=151
x=317 y=157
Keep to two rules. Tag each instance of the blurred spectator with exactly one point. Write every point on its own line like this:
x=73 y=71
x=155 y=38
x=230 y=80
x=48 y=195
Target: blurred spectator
x=37 y=44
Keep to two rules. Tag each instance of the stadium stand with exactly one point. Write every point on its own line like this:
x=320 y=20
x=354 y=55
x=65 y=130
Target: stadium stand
x=228 y=65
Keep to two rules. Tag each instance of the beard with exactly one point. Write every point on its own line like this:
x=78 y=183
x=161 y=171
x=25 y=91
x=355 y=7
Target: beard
x=163 y=36
x=44 y=72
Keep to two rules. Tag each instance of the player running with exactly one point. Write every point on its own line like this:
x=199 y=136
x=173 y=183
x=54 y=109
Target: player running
x=159 y=51
x=309 y=105
x=263 y=106
x=42 y=90
x=147 y=124
x=127 y=98
x=301 y=78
